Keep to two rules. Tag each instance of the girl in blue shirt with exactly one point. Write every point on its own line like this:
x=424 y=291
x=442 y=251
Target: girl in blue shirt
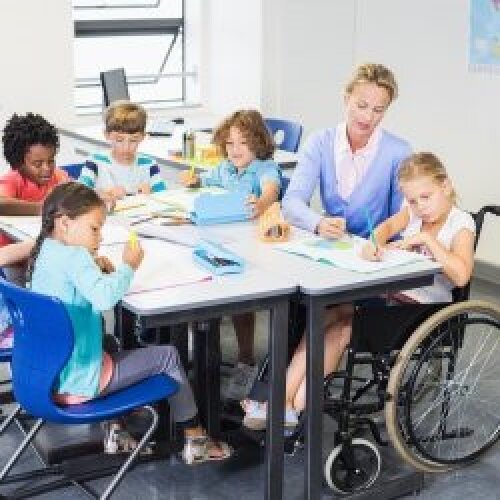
x=72 y=220
x=247 y=147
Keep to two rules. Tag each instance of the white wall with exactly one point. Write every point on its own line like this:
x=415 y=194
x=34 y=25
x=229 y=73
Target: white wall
x=442 y=107
x=37 y=58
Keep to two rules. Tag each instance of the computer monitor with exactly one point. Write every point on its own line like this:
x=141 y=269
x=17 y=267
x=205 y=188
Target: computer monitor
x=114 y=86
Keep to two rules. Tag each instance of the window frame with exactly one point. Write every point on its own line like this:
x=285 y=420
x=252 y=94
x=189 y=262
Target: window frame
x=108 y=27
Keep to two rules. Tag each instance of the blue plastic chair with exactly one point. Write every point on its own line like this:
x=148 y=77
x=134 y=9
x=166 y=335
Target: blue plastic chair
x=291 y=132
x=43 y=344
x=73 y=169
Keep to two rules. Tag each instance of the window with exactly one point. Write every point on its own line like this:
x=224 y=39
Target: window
x=146 y=37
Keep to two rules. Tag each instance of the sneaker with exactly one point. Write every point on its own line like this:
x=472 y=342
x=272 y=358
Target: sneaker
x=240 y=382
x=256 y=417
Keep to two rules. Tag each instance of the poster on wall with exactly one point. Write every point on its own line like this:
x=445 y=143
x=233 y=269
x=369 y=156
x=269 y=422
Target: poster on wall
x=484 y=36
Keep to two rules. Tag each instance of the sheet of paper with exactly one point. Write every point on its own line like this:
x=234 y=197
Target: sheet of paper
x=346 y=253
x=164 y=266
x=183 y=198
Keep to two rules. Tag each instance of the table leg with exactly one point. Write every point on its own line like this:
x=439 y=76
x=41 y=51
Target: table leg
x=314 y=399
x=278 y=339
x=206 y=359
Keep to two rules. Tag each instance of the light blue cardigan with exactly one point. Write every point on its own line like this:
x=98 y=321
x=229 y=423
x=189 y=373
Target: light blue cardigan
x=378 y=192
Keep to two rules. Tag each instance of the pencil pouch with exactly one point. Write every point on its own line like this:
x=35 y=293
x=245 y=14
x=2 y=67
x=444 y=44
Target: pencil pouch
x=220 y=208
x=217 y=259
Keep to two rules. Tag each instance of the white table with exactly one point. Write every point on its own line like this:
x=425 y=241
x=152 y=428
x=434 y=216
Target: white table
x=92 y=137
x=270 y=279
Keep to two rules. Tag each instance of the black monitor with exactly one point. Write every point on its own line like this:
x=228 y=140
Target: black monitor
x=114 y=86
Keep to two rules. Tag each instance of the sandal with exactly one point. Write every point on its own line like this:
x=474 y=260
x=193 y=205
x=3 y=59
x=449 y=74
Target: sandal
x=199 y=449
x=118 y=440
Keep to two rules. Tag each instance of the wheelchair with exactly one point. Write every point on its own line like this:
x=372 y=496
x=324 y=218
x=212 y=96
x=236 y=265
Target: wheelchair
x=433 y=369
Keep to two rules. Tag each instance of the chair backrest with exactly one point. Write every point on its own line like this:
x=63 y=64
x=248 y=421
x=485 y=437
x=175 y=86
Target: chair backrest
x=114 y=86
x=43 y=342
x=290 y=131
x=73 y=169
x=462 y=293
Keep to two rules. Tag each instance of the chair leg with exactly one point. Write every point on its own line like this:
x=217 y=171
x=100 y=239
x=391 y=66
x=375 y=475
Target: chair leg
x=8 y=419
x=126 y=465
x=26 y=441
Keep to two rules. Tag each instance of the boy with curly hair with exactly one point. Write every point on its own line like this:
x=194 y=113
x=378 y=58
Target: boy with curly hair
x=30 y=144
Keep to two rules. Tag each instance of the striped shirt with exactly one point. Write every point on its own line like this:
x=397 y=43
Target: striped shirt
x=102 y=172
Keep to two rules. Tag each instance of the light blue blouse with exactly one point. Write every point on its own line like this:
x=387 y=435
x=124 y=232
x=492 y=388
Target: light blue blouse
x=250 y=180
x=71 y=274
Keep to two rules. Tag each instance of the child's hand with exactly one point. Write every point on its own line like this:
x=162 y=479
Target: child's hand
x=105 y=264
x=371 y=252
x=133 y=254
x=188 y=179
x=257 y=205
x=113 y=194
x=144 y=188
x=331 y=227
x=415 y=241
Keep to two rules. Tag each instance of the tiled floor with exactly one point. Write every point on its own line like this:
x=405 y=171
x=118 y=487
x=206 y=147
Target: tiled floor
x=242 y=476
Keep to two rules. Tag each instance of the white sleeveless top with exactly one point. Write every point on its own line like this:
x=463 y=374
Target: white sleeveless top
x=440 y=290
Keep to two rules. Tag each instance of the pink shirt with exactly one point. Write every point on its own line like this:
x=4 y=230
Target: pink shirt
x=352 y=167
x=14 y=185
x=104 y=379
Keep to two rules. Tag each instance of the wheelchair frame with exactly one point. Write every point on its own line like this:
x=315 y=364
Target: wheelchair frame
x=354 y=463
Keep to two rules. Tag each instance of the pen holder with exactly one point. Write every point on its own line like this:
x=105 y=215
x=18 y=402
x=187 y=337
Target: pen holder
x=217 y=259
x=272 y=226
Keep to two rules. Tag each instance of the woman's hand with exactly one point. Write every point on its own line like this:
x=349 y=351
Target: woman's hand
x=133 y=254
x=188 y=179
x=331 y=227
x=371 y=252
x=144 y=188
x=105 y=265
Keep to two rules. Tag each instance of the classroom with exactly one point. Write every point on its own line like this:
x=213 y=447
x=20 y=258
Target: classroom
x=186 y=263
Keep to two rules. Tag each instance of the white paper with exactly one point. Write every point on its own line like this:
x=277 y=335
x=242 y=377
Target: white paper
x=164 y=266
x=346 y=253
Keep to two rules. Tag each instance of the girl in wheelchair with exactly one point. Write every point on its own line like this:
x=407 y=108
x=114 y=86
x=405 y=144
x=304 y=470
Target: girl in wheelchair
x=429 y=222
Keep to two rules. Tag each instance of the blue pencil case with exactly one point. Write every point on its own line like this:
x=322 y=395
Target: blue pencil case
x=220 y=208
x=217 y=259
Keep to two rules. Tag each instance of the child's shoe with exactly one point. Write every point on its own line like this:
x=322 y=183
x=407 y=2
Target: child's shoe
x=199 y=449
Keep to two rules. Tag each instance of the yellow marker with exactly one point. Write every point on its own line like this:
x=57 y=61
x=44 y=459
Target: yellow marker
x=192 y=173
x=132 y=238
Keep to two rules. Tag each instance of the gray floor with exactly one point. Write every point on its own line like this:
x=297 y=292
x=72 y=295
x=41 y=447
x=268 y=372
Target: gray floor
x=242 y=477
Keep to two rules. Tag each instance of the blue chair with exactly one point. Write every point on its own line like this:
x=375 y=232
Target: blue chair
x=73 y=169
x=43 y=344
x=6 y=397
x=289 y=130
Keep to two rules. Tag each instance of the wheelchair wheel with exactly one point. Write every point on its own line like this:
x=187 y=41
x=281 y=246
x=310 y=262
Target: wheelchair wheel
x=444 y=399
x=352 y=468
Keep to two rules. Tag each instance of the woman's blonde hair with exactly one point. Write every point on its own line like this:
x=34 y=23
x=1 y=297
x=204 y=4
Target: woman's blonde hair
x=377 y=74
x=125 y=116
x=251 y=125
x=425 y=164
